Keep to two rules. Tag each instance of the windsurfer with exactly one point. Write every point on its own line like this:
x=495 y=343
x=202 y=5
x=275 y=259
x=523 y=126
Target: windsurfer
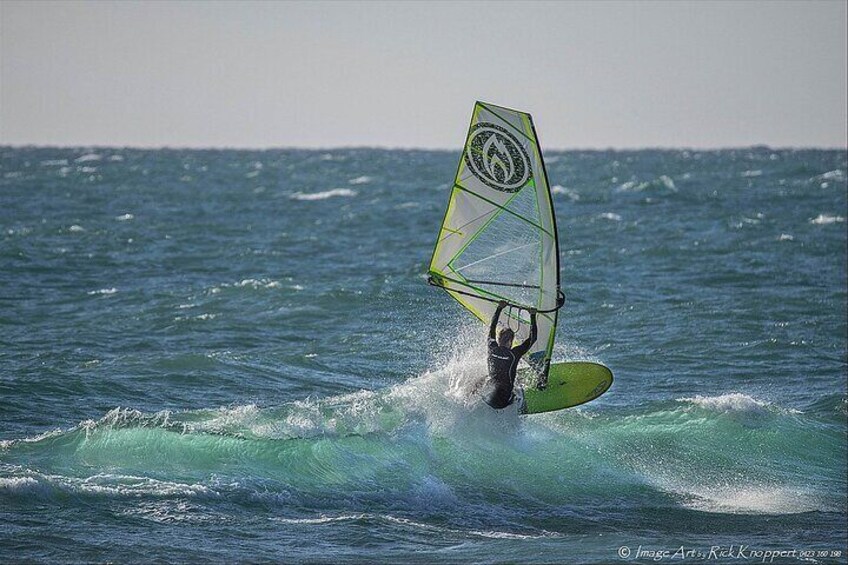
x=503 y=360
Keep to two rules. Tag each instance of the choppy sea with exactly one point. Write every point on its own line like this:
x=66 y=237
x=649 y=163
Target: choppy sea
x=221 y=355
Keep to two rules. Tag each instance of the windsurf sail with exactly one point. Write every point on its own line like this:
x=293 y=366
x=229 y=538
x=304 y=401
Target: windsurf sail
x=498 y=239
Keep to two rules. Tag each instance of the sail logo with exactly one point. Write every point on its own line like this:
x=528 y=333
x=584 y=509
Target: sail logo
x=497 y=158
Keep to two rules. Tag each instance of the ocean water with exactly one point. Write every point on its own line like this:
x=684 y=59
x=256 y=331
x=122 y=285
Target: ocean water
x=215 y=355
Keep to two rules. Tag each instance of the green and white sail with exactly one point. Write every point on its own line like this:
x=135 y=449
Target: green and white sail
x=498 y=239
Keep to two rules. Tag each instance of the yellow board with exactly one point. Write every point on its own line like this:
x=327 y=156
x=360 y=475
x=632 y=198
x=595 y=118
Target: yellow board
x=569 y=384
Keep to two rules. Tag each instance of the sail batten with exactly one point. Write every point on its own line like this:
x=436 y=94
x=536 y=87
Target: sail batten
x=498 y=239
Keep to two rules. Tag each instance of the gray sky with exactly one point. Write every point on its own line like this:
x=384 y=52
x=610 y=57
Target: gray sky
x=404 y=74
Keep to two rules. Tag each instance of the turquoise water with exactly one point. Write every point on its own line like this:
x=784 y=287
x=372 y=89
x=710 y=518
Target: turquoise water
x=233 y=355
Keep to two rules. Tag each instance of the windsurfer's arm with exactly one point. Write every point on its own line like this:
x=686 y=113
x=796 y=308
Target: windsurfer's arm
x=494 y=324
x=525 y=345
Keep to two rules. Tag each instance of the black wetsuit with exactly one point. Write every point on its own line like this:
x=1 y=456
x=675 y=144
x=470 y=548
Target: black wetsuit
x=503 y=361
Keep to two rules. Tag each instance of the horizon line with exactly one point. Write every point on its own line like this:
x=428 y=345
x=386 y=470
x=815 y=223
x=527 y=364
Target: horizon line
x=413 y=148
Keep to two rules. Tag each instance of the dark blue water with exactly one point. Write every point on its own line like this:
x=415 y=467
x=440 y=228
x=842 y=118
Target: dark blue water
x=233 y=355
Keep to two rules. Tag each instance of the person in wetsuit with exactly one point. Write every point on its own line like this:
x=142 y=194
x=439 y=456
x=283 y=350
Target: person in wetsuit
x=503 y=360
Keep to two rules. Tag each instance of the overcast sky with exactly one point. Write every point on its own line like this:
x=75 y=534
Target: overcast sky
x=404 y=74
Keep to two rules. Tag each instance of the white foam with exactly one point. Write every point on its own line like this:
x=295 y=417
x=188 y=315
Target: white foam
x=397 y=520
x=750 y=499
x=749 y=221
x=7 y=443
x=76 y=228
x=750 y=174
x=251 y=283
x=837 y=174
x=635 y=186
x=88 y=157
x=18 y=483
x=124 y=218
x=54 y=162
x=115 y=417
x=824 y=219
x=323 y=195
x=258 y=283
x=786 y=237
x=123 y=485
x=668 y=183
x=444 y=400
x=31 y=486
x=226 y=418
x=200 y=317
x=103 y=291
x=610 y=216
x=360 y=180
x=572 y=194
x=491 y=534
x=322 y=519
x=734 y=402
x=101 y=484
x=631 y=185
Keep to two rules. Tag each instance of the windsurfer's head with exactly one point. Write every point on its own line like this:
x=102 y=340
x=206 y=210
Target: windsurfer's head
x=505 y=337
